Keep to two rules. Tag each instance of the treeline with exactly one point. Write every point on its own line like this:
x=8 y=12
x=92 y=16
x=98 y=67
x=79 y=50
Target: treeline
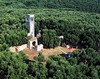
x=84 y=64
x=12 y=30
x=78 y=28
x=82 y=5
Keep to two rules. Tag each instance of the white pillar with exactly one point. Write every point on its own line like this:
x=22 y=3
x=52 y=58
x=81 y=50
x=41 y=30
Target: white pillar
x=30 y=22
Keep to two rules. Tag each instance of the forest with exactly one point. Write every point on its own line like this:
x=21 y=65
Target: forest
x=80 y=5
x=77 y=20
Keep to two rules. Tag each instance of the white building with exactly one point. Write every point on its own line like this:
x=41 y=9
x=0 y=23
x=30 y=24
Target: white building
x=32 y=41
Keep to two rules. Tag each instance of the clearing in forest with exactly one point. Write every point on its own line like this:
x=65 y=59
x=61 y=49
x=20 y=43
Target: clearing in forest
x=48 y=52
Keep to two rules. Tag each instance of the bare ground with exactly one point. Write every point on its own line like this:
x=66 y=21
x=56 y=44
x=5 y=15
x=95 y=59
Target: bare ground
x=48 y=52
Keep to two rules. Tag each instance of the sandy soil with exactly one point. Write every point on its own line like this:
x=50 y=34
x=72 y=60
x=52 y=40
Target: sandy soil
x=30 y=53
x=55 y=51
x=48 y=52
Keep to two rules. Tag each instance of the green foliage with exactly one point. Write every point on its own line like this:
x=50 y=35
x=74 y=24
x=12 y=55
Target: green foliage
x=87 y=63
x=40 y=58
x=82 y=5
x=88 y=56
x=12 y=66
x=80 y=29
x=84 y=64
x=59 y=68
x=37 y=70
x=3 y=47
x=50 y=39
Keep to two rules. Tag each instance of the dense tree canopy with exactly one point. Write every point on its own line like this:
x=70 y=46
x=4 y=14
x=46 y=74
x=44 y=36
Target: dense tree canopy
x=82 y=5
x=79 y=28
x=50 y=39
x=69 y=18
x=84 y=64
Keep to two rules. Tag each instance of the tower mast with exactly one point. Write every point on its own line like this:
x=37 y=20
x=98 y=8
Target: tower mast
x=31 y=23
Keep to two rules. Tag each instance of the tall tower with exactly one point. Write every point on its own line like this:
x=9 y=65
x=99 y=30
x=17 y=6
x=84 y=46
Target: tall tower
x=32 y=40
x=30 y=22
